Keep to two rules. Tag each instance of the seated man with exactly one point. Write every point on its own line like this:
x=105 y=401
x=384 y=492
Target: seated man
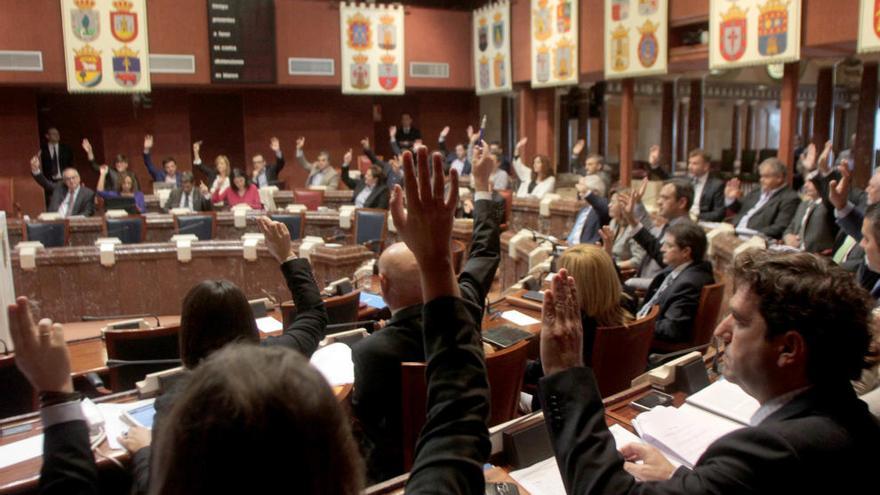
x=594 y=164
x=69 y=197
x=264 y=174
x=593 y=216
x=796 y=335
x=376 y=399
x=370 y=191
x=391 y=167
x=812 y=229
x=708 y=203
x=768 y=209
x=168 y=173
x=676 y=289
x=187 y=196
x=406 y=136
x=457 y=160
x=321 y=173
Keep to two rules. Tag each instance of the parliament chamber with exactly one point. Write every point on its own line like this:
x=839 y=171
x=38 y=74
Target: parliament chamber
x=535 y=247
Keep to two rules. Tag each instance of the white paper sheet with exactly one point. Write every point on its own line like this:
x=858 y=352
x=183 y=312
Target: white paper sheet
x=334 y=362
x=269 y=324
x=114 y=427
x=541 y=478
x=683 y=433
x=21 y=451
x=726 y=399
x=518 y=318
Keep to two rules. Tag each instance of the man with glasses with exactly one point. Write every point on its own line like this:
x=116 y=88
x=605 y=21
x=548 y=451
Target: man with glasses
x=264 y=174
x=68 y=198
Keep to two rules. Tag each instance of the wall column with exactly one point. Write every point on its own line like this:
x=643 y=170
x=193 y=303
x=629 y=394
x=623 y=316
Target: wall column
x=864 y=148
x=788 y=116
x=667 y=125
x=627 y=131
x=695 y=116
x=824 y=104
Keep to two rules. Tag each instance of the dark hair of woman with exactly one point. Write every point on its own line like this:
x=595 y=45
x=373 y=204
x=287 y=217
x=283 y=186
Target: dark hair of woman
x=257 y=420
x=215 y=313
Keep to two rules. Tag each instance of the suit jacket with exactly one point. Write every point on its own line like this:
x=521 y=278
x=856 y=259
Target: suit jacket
x=303 y=335
x=156 y=173
x=199 y=203
x=112 y=179
x=65 y=158
x=84 y=204
x=712 y=206
x=819 y=232
x=330 y=178
x=597 y=217
x=449 y=158
x=651 y=243
x=773 y=218
x=378 y=197
x=376 y=400
x=679 y=301
x=391 y=177
x=821 y=431
x=272 y=170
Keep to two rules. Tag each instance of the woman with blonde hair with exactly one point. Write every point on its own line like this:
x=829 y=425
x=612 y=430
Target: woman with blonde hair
x=602 y=299
x=219 y=176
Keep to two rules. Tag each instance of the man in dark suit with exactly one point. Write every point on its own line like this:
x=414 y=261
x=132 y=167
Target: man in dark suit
x=55 y=156
x=68 y=197
x=370 y=190
x=168 y=173
x=768 y=209
x=676 y=289
x=187 y=196
x=593 y=216
x=797 y=334
x=457 y=160
x=406 y=136
x=264 y=174
x=813 y=228
x=377 y=397
x=708 y=203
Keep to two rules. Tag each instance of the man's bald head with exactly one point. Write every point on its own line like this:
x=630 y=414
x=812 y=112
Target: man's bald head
x=399 y=276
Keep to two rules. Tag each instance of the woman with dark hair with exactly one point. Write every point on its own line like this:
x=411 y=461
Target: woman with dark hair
x=370 y=191
x=536 y=181
x=241 y=192
x=125 y=188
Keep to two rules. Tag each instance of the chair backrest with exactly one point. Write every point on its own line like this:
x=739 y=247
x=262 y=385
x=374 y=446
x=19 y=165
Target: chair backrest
x=507 y=194
x=340 y=309
x=296 y=223
x=621 y=353
x=309 y=197
x=371 y=227
x=55 y=233
x=728 y=157
x=130 y=230
x=18 y=395
x=505 y=369
x=137 y=345
x=767 y=153
x=747 y=161
x=706 y=318
x=202 y=225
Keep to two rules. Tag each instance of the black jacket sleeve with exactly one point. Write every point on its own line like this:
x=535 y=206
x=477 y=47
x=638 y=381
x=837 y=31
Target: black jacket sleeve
x=454 y=442
x=600 y=206
x=346 y=177
x=476 y=278
x=310 y=321
x=44 y=182
x=676 y=322
x=68 y=463
x=650 y=244
x=209 y=173
x=715 y=213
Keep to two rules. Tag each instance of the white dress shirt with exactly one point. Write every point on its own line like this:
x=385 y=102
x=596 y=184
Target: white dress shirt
x=66 y=207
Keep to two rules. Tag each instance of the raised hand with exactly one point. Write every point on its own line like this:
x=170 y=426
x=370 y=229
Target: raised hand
x=426 y=225
x=392 y=132
x=470 y=132
x=197 y=146
x=483 y=165
x=148 y=143
x=823 y=161
x=838 y=193
x=365 y=143
x=520 y=145
x=36 y=163
x=562 y=332
x=300 y=142
x=87 y=147
x=809 y=158
x=346 y=159
x=654 y=466
x=607 y=236
x=732 y=189
x=654 y=156
x=104 y=169
x=40 y=351
x=444 y=133
x=578 y=147
x=274 y=144
x=277 y=238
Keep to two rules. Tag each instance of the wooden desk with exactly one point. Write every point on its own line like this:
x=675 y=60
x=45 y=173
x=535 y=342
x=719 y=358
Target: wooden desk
x=23 y=477
x=69 y=283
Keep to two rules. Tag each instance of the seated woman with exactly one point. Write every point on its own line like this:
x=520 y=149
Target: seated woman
x=219 y=176
x=537 y=181
x=242 y=191
x=370 y=191
x=602 y=299
x=626 y=252
x=125 y=188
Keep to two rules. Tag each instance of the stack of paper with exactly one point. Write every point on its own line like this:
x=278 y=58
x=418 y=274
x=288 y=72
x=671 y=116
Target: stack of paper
x=726 y=399
x=682 y=434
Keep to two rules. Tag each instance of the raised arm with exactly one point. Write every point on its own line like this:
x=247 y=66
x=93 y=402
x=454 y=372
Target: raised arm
x=102 y=178
x=476 y=278
x=197 y=162
x=155 y=173
x=301 y=154
x=307 y=328
x=454 y=442
x=275 y=146
x=346 y=171
x=90 y=154
x=37 y=173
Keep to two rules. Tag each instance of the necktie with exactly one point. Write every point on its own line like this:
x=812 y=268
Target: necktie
x=56 y=168
x=844 y=249
x=803 y=227
x=68 y=208
x=576 y=234
x=646 y=308
x=186 y=200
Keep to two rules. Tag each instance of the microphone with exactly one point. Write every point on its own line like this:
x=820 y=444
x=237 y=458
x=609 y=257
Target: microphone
x=122 y=317
x=657 y=359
